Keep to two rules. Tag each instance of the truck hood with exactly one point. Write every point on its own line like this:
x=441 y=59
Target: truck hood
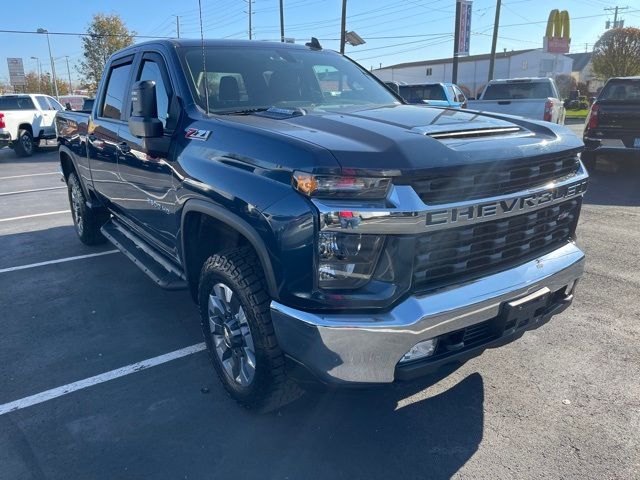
x=400 y=139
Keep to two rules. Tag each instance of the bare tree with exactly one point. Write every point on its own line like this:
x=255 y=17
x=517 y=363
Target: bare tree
x=617 y=53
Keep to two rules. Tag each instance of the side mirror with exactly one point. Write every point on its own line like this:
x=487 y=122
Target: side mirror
x=393 y=86
x=144 y=122
x=67 y=106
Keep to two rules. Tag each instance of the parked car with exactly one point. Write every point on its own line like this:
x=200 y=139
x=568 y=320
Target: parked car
x=326 y=230
x=434 y=94
x=535 y=98
x=613 y=123
x=26 y=120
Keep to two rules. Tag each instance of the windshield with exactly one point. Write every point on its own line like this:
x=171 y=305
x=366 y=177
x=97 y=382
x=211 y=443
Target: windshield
x=621 y=91
x=517 y=91
x=242 y=78
x=418 y=93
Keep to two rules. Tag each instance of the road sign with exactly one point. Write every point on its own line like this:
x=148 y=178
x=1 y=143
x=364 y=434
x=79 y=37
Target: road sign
x=16 y=72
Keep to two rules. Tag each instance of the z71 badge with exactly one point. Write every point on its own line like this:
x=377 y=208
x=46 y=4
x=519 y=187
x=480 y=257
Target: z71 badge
x=195 y=134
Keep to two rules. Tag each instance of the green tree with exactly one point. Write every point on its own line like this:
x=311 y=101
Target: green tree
x=107 y=35
x=44 y=84
x=617 y=53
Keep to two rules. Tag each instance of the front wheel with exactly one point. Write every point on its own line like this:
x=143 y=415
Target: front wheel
x=237 y=328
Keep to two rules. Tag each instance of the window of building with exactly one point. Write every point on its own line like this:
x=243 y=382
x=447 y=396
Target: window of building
x=429 y=71
x=525 y=64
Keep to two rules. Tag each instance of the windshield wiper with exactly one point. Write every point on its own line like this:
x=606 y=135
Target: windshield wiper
x=271 y=112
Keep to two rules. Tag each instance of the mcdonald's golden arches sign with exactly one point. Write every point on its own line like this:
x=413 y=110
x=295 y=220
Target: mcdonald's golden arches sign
x=558 y=36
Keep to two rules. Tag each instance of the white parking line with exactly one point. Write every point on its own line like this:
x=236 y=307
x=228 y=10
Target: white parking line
x=59 y=260
x=11 y=219
x=31 y=191
x=30 y=175
x=103 y=377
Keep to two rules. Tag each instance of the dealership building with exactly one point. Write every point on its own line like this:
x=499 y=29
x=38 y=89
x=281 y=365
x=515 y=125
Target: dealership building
x=473 y=70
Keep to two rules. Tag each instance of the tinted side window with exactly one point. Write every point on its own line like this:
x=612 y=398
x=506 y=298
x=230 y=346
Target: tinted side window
x=116 y=89
x=16 y=103
x=54 y=104
x=42 y=103
x=151 y=71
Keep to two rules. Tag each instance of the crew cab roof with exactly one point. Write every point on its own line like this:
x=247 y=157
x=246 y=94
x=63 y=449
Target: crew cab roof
x=189 y=43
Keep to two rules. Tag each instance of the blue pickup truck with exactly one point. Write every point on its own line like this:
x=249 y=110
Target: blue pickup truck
x=327 y=230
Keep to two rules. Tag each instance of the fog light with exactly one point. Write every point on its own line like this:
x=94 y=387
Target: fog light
x=422 y=349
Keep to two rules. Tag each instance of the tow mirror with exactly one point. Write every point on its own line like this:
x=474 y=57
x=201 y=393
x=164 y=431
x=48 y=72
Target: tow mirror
x=144 y=121
x=394 y=87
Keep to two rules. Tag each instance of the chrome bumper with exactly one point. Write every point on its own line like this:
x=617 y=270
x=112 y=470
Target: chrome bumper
x=361 y=348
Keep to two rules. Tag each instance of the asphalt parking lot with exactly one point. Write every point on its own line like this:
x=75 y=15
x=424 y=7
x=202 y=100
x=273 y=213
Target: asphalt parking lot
x=562 y=402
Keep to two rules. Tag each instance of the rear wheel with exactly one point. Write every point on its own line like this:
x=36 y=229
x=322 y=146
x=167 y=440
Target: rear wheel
x=87 y=221
x=24 y=144
x=237 y=328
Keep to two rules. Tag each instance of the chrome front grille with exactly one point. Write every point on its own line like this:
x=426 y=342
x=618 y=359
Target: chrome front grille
x=458 y=184
x=459 y=253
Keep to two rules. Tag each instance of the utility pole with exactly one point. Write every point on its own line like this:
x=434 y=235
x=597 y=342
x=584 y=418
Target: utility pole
x=494 y=41
x=456 y=41
x=343 y=26
x=615 y=9
x=69 y=74
x=178 y=26
x=250 y=20
x=53 y=67
x=282 y=20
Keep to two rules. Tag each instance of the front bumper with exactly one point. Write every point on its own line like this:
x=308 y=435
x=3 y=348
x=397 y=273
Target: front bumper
x=366 y=349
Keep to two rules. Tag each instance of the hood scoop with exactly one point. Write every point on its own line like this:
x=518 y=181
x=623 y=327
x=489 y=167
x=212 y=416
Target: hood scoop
x=474 y=133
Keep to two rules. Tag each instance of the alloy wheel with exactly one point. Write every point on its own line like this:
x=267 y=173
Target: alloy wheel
x=231 y=335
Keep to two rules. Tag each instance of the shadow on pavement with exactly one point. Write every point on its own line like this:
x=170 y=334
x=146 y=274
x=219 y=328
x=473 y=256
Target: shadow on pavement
x=619 y=188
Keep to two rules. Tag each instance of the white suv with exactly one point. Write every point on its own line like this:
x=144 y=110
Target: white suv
x=25 y=120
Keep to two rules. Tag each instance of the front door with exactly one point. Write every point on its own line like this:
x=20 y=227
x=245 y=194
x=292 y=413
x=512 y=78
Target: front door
x=144 y=165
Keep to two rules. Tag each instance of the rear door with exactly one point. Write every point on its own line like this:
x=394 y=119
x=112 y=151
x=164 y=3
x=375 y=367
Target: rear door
x=149 y=196
x=43 y=125
x=102 y=134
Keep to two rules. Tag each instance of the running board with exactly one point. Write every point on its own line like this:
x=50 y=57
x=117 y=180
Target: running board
x=160 y=269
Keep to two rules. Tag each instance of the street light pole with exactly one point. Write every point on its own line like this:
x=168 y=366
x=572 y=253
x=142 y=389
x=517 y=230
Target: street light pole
x=69 y=74
x=53 y=67
x=39 y=68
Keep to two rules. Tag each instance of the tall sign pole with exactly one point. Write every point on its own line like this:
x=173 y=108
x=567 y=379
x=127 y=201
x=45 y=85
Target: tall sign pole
x=456 y=43
x=343 y=26
x=494 y=41
x=282 y=20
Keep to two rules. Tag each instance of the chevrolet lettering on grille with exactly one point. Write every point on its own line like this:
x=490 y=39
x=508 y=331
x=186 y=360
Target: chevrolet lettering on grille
x=504 y=207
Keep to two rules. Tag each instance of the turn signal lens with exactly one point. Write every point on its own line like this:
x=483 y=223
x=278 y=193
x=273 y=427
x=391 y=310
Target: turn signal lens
x=334 y=186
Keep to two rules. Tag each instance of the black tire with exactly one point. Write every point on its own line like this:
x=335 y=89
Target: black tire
x=24 y=144
x=239 y=270
x=87 y=221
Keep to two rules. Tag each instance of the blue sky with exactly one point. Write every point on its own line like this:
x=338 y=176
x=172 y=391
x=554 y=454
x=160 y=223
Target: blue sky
x=395 y=30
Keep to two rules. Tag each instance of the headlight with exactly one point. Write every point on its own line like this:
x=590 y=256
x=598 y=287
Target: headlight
x=332 y=186
x=346 y=260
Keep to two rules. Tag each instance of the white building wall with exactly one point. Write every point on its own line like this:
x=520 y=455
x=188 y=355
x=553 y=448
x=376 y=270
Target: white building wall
x=472 y=76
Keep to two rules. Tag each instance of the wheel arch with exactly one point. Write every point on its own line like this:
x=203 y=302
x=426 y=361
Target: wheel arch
x=231 y=221
x=26 y=126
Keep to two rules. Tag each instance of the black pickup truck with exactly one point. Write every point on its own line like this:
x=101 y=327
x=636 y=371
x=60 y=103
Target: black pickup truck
x=613 y=124
x=327 y=230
